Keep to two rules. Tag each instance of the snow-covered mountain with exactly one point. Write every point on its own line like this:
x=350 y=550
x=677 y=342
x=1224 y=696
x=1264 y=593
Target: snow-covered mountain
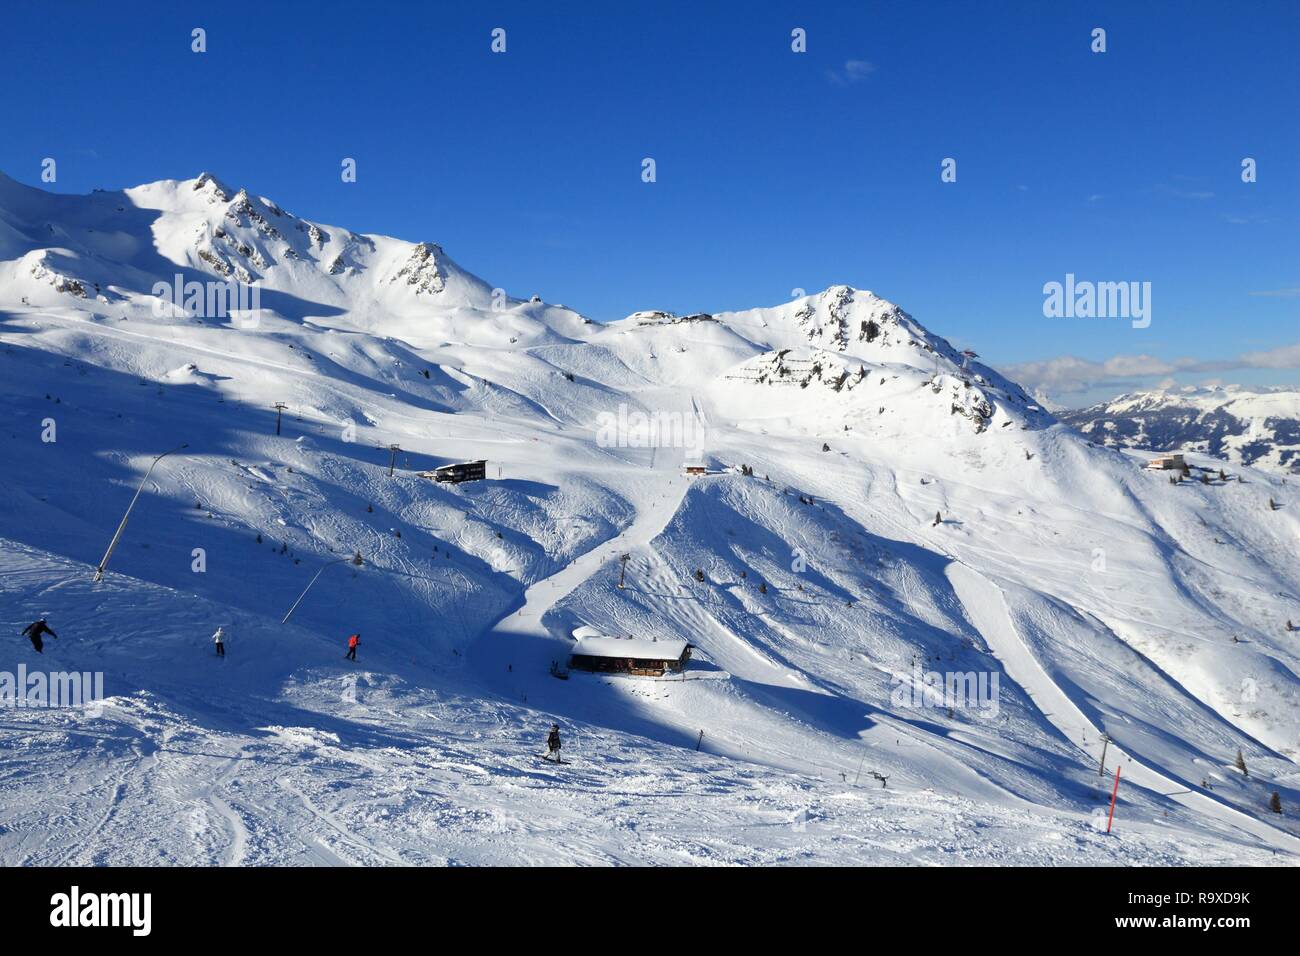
x=880 y=512
x=1238 y=424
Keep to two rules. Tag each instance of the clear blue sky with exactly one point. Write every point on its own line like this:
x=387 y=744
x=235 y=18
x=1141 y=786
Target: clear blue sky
x=776 y=170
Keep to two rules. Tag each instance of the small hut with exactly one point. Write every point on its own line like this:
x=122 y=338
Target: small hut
x=461 y=471
x=639 y=656
x=1166 y=463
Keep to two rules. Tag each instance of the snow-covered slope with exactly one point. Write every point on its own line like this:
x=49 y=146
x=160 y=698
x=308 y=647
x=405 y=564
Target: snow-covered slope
x=877 y=507
x=1241 y=425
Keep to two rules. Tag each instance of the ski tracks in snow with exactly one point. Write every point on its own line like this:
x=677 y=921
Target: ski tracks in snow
x=985 y=603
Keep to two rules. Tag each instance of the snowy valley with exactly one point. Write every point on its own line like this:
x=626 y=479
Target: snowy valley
x=875 y=507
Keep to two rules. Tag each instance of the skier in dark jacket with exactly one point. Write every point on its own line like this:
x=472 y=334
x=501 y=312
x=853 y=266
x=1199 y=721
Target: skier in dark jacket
x=34 y=631
x=553 y=743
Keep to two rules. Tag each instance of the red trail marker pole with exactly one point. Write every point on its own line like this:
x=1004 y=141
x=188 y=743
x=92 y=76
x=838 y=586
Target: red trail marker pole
x=1113 y=794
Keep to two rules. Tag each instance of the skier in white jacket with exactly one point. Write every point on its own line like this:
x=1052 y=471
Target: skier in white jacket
x=219 y=639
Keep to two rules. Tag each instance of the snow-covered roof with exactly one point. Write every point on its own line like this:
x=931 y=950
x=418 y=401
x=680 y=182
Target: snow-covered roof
x=639 y=648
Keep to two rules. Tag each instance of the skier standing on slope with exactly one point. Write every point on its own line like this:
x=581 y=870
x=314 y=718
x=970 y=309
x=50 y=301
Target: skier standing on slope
x=219 y=639
x=34 y=631
x=353 y=641
x=553 y=744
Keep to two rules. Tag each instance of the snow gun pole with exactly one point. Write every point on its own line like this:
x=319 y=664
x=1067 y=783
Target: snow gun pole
x=355 y=559
x=1113 y=794
x=117 y=535
x=860 y=763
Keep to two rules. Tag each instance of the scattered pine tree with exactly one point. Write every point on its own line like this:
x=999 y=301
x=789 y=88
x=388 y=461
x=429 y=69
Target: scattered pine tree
x=1241 y=763
x=938 y=519
x=1275 y=802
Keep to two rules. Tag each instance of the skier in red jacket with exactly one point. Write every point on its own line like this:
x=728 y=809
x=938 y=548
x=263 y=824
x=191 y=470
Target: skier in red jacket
x=353 y=641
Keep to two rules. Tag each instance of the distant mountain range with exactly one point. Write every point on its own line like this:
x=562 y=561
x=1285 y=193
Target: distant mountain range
x=1245 y=426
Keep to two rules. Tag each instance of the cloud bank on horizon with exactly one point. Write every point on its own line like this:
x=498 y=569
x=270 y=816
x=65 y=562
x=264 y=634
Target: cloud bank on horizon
x=1060 y=379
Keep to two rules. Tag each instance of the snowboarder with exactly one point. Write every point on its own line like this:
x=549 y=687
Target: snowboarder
x=553 y=744
x=34 y=631
x=353 y=641
x=219 y=639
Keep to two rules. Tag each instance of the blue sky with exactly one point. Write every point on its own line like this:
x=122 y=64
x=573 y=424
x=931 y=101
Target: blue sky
x=775 y=170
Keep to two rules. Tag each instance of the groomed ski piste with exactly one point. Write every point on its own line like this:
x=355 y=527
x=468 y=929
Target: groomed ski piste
x=901 y=510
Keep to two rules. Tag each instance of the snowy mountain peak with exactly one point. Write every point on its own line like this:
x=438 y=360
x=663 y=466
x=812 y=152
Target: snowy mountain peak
x=116 y=247
x=205 y=182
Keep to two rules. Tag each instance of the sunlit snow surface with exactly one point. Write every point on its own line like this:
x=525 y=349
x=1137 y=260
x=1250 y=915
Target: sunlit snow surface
x=1098 y=594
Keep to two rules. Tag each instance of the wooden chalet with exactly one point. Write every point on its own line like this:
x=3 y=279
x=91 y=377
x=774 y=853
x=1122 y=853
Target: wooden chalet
x=461 y=471
x=618 y=655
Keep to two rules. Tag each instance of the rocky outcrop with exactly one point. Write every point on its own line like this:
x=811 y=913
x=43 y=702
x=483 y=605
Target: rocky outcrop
x=422 y=271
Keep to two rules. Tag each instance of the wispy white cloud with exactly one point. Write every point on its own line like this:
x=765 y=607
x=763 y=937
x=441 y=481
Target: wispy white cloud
x=1277 y=293
x=853 y=71
x=1179 y=193
x=1285 y=356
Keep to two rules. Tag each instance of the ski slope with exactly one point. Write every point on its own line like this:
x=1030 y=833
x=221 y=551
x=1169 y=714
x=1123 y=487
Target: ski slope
x=1094 y=595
